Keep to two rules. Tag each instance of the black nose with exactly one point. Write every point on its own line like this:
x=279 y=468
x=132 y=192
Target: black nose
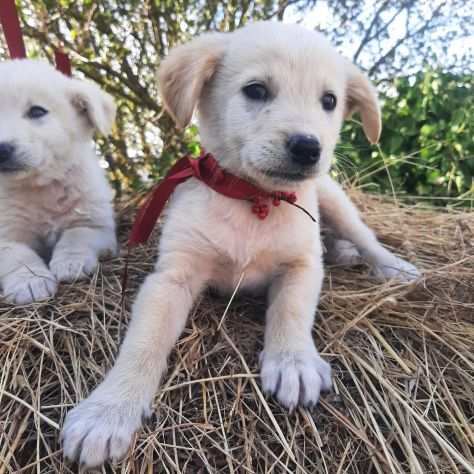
x=305 y=149
x=6 y=152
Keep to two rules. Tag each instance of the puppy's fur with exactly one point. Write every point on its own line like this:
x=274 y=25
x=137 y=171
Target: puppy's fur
x=208 y=239
x=56 y=216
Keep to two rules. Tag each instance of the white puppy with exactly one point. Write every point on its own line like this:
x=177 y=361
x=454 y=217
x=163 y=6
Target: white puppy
x=56 y=215
x=271 y=101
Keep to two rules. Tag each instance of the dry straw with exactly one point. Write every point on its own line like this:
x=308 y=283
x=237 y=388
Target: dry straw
x=402 y=355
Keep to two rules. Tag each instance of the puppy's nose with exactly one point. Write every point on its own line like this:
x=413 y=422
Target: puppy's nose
x=304 y=149
x=6 y=152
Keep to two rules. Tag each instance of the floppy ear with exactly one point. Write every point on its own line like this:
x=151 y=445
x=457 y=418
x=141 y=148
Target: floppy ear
x=361 y=96
x=182 y=75
x=96 y=106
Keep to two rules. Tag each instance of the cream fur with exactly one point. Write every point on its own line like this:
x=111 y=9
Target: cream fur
x=208 y=239
x=56 y=215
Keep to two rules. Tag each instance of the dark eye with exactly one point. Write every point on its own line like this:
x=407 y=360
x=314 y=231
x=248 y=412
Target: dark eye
x=328 y=101
x=36 y=112
x=256 y=91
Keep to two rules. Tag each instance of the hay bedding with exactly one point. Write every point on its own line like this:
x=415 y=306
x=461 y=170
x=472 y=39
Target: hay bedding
x=402 y=357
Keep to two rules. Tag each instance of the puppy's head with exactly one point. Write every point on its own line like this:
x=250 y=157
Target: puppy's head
x=271 y=99
x=45 y=116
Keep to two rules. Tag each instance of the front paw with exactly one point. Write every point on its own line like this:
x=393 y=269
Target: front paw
x=341 y=252
x=396 y=268
x=101 y=429
x=31 y=287
x=295 y=378
x=69 y=268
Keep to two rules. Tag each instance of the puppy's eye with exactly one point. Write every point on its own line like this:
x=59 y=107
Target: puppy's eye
x=328 y=101
x=256 y=91
x=36 y=112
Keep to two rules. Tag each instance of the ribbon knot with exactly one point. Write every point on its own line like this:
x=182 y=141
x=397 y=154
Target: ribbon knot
x=216 y=174
x=206 y=169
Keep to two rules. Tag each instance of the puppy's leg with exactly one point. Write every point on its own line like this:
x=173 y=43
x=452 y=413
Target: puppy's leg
x=24 y=276
x=102 y=426
x=291 y=367
x=77 y=252
x=342 y=216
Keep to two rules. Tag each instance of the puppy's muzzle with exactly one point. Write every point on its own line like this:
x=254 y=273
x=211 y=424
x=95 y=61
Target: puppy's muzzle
x=304 y=150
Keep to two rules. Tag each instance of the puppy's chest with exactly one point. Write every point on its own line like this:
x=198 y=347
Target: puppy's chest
x=254 y=251
x=232 y=240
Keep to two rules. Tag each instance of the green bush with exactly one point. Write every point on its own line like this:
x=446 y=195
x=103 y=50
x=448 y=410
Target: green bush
x=427 y=143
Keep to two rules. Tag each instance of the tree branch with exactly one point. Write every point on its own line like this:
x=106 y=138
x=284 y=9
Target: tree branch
x=367 y=38
x=408 y=35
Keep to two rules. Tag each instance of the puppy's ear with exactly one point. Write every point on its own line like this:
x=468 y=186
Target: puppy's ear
x=182 y=75
x=94 y=105
x=361 y=96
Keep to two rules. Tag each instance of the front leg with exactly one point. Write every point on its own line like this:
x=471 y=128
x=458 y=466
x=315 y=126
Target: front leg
x=343 y=218
x=103 y=425
x=77 y=252
x=24 y=277
x=291 y=367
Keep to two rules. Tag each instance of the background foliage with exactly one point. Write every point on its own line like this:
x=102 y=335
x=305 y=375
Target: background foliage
x=427 y=144
x=416 y=50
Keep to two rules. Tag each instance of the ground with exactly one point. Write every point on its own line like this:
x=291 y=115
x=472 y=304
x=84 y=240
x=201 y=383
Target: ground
x=402 y=355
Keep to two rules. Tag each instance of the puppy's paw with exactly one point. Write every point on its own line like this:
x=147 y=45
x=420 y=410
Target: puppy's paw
x=98 y=430
x=295 y=378
x=69 y=268
x=395 y=268
x=27 y=288
x=341 y=252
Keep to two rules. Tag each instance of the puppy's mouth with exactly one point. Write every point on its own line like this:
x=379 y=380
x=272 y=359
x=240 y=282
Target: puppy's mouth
x=16 y=163
x=281 y=177
x=287 y=175
x=11 y=168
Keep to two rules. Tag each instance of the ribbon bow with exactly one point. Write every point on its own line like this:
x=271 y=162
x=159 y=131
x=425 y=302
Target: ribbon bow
x=14 y=38
x=207 y=170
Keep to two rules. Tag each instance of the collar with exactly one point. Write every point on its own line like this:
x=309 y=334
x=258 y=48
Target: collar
x=207 y=170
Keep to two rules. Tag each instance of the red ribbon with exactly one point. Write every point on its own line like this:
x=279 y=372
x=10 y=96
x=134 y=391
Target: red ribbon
x=207 y=170
x=14 y=38
x=63 y=63
x=11 y=29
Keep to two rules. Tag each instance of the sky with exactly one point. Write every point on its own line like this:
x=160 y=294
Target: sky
x=321 y=17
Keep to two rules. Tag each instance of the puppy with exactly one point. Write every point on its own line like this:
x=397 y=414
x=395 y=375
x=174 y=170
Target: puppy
x=56 y=216
x=271 y=101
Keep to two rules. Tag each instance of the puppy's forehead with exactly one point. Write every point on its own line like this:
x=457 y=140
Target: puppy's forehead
x=285 y=52
x=29 y=82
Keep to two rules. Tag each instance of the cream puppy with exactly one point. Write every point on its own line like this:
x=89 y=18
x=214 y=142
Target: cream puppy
x=56 y=215
x=271 y=101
